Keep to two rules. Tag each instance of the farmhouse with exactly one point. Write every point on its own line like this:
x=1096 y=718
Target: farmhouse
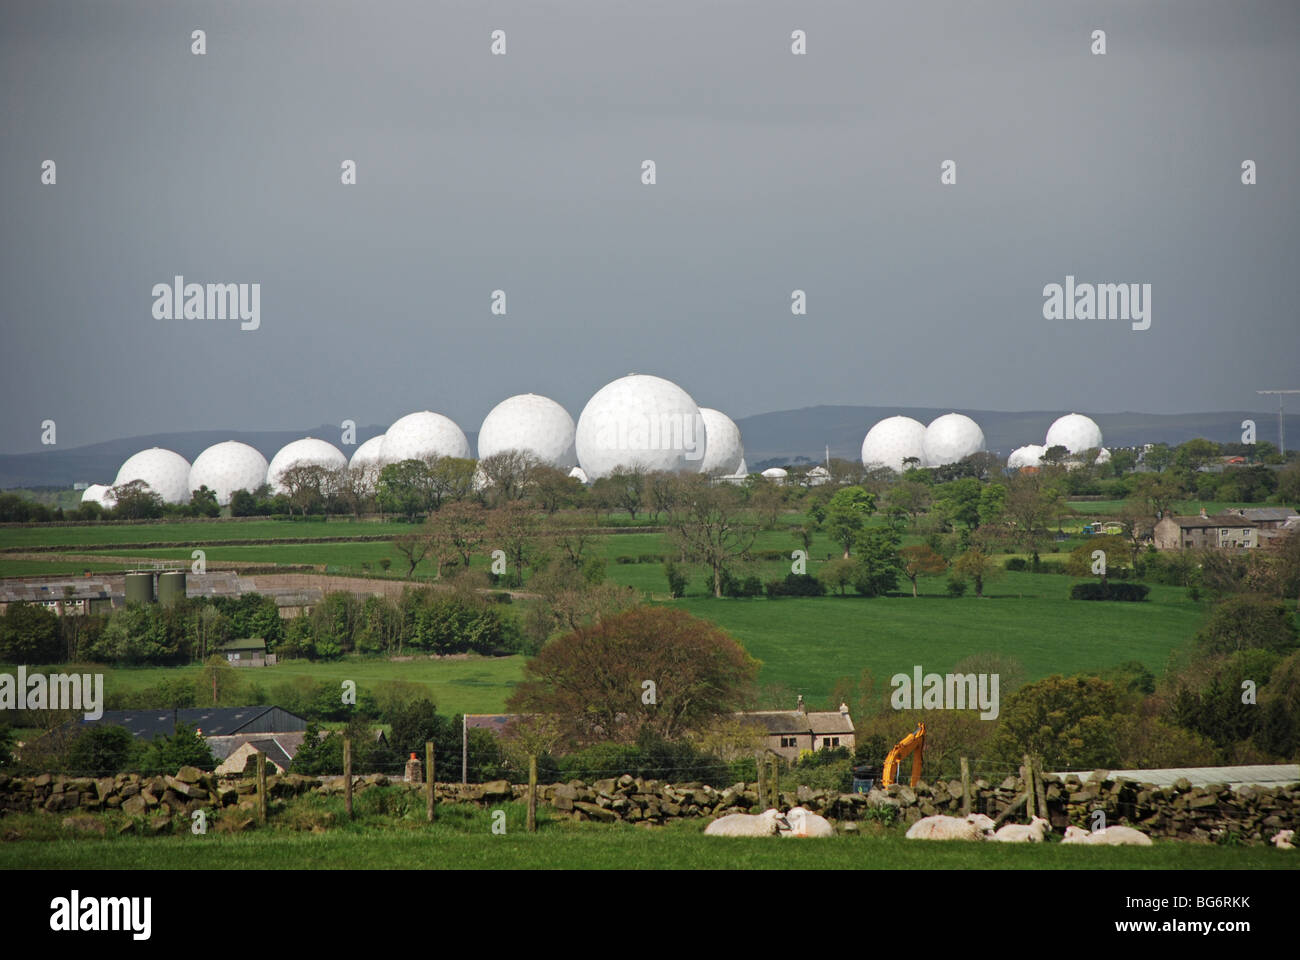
x=247 y=652
x=1225 y=531
x=788 y=732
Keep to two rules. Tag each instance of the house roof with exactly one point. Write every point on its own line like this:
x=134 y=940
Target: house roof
x=275 y=752
x=14 y=591
x=1266 y=514
x=213 y=721
x=788 y=722
x=1218 y=520
x=245 y=643
x=223 y=746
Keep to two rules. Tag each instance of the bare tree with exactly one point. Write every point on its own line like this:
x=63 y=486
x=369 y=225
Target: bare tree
x=508 y=474
x=708 y=524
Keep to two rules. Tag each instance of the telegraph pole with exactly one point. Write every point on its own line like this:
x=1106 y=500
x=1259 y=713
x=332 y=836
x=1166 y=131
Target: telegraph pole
x=1281 y=429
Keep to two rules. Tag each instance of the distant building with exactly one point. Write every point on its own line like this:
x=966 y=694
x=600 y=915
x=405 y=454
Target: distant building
x=67 y=597
x=1266 y=518
x=247 y=652
x=789 y=732
x=1225 y=531
x=209 y=721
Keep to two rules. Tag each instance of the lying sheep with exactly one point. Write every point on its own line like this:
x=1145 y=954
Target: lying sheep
x=1116 y=836
x=1033 y=832
x=945 y=828
x=986 y=824
x=748 y=825
x=805 y=823
x=1282 y=840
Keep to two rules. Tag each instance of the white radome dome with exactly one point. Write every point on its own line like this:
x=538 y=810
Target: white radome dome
x=424 y=434
x=100 y=493
x=742 y=470
x=775 y=473
x=893 y=440
x=1030 y=455
x=724 y=452
x=366 y=456
x=226 y=467
x=1103 y=456
x=532 y=424
x=307 y=452
x=640 y=420
x=950 y=438
x=1075 y=432
x=579 y=474
x=166 y=472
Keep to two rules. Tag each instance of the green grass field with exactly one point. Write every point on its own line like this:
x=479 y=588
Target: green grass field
x=463 y=839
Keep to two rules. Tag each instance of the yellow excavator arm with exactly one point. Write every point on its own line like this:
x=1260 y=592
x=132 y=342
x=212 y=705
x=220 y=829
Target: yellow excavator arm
x=914 y=745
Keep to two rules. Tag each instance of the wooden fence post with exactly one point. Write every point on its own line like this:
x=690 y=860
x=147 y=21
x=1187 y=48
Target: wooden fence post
x=347 y=776
x=965 y=787
x=775 y=781
x=429 y=780
x=261 y=789
x=761 y=764
x=532 y=793
x=1038 y=786
x=1027 y=778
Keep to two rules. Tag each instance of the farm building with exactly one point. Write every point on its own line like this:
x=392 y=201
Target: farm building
x=233 y=753
x=209 y=721
x=65 y=597
x=247 y=652
x=788 y=732
x=1225 y=531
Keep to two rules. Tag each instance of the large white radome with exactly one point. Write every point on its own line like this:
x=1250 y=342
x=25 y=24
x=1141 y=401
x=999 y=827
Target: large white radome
x=724 y=452
x=226 y=467
x=1075 y=432
x=367 y=456
x=100 y=493
x=166 y=472
x=532 y=424
x=893 y=440
x=950 y=438
x=307 y=452
x=1030 y=455
x=643 y=421
x=418 y=436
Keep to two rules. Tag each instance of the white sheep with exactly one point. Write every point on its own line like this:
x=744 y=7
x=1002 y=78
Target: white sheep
x=944 y=828
x=1033 y=832
x=1282 y=840
x=1115 y=836
x=985 y=824
x=748 y=825
x=805 y=823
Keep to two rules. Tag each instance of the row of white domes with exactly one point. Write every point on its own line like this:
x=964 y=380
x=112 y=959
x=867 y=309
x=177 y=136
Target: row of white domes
x=635 y=420
x=953 y=436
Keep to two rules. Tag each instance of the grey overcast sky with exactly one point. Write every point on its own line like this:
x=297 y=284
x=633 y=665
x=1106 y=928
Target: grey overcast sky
x=523 y=172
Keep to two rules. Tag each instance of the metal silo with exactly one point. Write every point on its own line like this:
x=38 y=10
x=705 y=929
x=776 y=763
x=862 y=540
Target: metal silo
x=139 y=588
x=171 y=587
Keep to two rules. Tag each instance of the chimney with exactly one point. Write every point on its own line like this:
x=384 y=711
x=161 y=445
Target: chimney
x=844 y=710
x=1203 y=513
x=414 y=770
x=799 y=707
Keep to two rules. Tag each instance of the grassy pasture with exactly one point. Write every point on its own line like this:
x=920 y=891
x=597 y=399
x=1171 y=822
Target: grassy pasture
x=462 y=839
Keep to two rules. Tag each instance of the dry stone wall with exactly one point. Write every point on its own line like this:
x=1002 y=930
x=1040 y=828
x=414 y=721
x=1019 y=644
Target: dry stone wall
x=1182 y=811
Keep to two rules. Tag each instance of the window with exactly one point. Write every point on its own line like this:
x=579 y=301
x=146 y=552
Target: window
x=830 y=742
x=789 y=742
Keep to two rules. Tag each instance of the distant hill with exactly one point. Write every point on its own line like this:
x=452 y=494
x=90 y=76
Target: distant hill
x=782 y=437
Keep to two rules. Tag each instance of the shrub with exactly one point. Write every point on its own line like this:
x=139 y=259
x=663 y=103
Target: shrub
x=1132 y=592
x=676 y=580
x=1018 y=564
x=956 y=587
x=624 y=558
x=796 y=585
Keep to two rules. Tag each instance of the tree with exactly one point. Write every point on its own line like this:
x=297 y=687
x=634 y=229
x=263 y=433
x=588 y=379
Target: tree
x=838 y=574
x=623 y=489
x=1195 y=454
x=401 y=488
x=1158 y=457
x=1067 y=721
x=1248 y=623
x=456 y=532
x=306 y=485
x=102 y=751
x=553 y=489
x=958 y=503
x=184 y=748
x=203 y=503
x=450 y=479
x=414 y=547
x=136 y=501
x=977 y=566
x=572 y=538
x=876 y=572
x=846 y=515
x=767 y=500
x=707 y=524
x=29 y=633
x=515 y=530
x=921 y=560
x=594 y=680
x=908 y=498
x=507 y=475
